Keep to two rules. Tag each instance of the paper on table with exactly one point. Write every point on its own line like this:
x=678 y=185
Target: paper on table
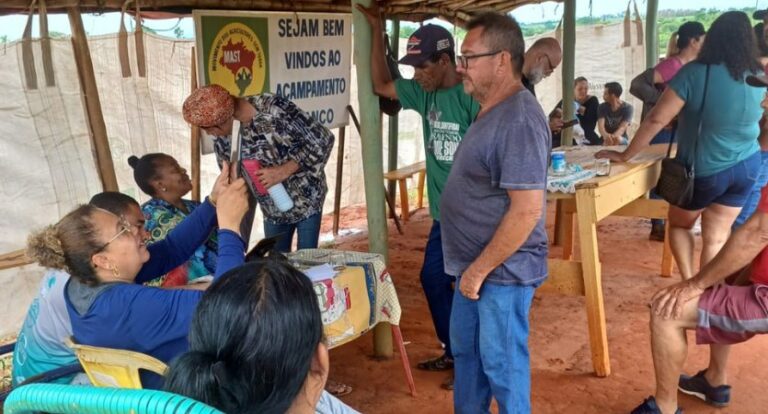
x=320 y=272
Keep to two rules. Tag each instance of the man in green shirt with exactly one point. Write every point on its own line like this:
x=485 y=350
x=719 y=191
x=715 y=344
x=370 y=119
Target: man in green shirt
x=435 y=92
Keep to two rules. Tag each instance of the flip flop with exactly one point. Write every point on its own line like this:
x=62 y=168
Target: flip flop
x=337 y=389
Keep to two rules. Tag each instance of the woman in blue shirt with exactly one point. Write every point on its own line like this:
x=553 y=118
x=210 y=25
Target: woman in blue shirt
x=107 y=259
x=719 y=141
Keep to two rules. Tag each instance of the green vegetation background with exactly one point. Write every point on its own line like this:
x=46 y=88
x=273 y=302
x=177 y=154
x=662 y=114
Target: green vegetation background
x=669 y=21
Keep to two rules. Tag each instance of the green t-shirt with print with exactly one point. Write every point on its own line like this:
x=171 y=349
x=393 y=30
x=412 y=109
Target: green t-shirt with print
x=446 y=115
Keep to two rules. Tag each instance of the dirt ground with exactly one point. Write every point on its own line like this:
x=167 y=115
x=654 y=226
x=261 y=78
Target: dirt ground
x=561 y=367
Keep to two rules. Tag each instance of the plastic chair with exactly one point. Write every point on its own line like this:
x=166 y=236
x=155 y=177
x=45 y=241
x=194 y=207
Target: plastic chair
x=74 y=399
x=107 y=367
x=6 y=354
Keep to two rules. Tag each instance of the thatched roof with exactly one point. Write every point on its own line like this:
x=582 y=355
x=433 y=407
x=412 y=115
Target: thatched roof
x=455 y=11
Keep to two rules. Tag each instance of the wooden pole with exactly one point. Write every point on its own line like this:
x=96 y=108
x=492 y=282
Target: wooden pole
x=195 y=138
x=394 y=42
x=651 y=34
x=569 y=72
x=373 y=168
x=98 y=130
x=339 y=174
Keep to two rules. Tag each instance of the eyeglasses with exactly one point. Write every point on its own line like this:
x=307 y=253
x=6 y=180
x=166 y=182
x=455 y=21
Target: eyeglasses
x=464 y=59
x=124 y=227
x=549 y=62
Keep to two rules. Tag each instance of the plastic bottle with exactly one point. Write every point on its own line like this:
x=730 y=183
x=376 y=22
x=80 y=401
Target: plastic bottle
x=280 y=197
x=277 y=192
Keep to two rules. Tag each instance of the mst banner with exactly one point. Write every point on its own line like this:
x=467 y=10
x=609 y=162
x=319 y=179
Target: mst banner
x=305 y=57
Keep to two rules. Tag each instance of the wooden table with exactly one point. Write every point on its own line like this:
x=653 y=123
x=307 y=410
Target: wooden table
x=622 y=193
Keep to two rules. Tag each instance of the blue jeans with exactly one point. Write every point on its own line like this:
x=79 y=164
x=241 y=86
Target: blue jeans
x=438 y=287
x=490 y=349
x=754 y=197
x=730 y=187
x=308 y=233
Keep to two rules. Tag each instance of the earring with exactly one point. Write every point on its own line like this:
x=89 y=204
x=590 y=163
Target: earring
x=115 y=271
x=164 y=189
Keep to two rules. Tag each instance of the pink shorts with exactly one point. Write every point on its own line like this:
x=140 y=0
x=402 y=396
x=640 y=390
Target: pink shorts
x=732 y=314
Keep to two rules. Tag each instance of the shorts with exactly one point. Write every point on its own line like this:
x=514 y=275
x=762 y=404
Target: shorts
x=732 y=314
x=729 y=187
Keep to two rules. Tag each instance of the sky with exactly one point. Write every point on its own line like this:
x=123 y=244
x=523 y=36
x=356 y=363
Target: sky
x=13 y=26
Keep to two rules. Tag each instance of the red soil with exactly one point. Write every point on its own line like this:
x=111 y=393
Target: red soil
x=561 y=366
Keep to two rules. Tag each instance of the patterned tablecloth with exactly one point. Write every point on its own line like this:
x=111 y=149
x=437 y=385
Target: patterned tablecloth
x=358 y=297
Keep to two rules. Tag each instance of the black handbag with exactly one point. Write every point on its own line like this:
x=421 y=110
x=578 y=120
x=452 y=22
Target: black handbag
x=676 y=180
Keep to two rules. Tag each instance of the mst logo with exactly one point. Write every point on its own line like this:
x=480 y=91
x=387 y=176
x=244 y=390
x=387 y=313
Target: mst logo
x=237 y=60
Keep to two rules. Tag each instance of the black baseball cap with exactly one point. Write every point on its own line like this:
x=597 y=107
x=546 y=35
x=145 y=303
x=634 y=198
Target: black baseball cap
x=760 y=14
x=425 y=43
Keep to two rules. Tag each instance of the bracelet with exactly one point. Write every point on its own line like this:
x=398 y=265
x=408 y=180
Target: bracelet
x=212 y=201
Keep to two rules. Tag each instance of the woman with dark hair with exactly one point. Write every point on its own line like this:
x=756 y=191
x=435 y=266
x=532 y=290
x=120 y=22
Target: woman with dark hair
x=105 y=255
x=688 y=40
x=256 y=345
x=717 y=131
x=161 y=177
x=586 y=112
x=684 y=46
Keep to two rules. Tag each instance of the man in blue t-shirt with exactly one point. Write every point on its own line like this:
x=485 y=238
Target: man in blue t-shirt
x=436 y=93
x=493 y=208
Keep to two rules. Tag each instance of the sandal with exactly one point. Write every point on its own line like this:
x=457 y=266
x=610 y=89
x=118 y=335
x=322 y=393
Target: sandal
x=441 y=363
x=337 y=389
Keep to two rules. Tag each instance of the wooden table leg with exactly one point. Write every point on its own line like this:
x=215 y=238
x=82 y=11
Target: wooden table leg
x=666 y=255
x=568 y=237
x=558 y=234
x=593 y=289
x=404 y=209
x=420 y=193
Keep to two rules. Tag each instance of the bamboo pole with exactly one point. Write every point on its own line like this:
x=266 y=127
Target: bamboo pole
x=13 y=259
x=651 y=34
x=339 y=175
x=394 y=44
x=373 y=168
x=98 y=130
x=195 y=147
x=568 y=65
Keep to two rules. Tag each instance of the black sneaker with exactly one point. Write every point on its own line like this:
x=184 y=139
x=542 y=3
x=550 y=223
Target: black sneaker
x=441 y=363
x=698 y=386
x=649 y=407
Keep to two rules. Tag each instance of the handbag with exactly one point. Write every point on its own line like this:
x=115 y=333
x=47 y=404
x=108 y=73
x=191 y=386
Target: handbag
x=676 y=181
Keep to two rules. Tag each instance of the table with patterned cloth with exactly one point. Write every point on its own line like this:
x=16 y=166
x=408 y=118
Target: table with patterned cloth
x=359 y=296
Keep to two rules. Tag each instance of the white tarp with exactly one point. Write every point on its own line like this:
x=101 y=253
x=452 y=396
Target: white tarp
x=46 y=163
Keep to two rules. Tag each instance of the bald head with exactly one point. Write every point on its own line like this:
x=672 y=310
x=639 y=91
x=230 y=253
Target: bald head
x=541 y=59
